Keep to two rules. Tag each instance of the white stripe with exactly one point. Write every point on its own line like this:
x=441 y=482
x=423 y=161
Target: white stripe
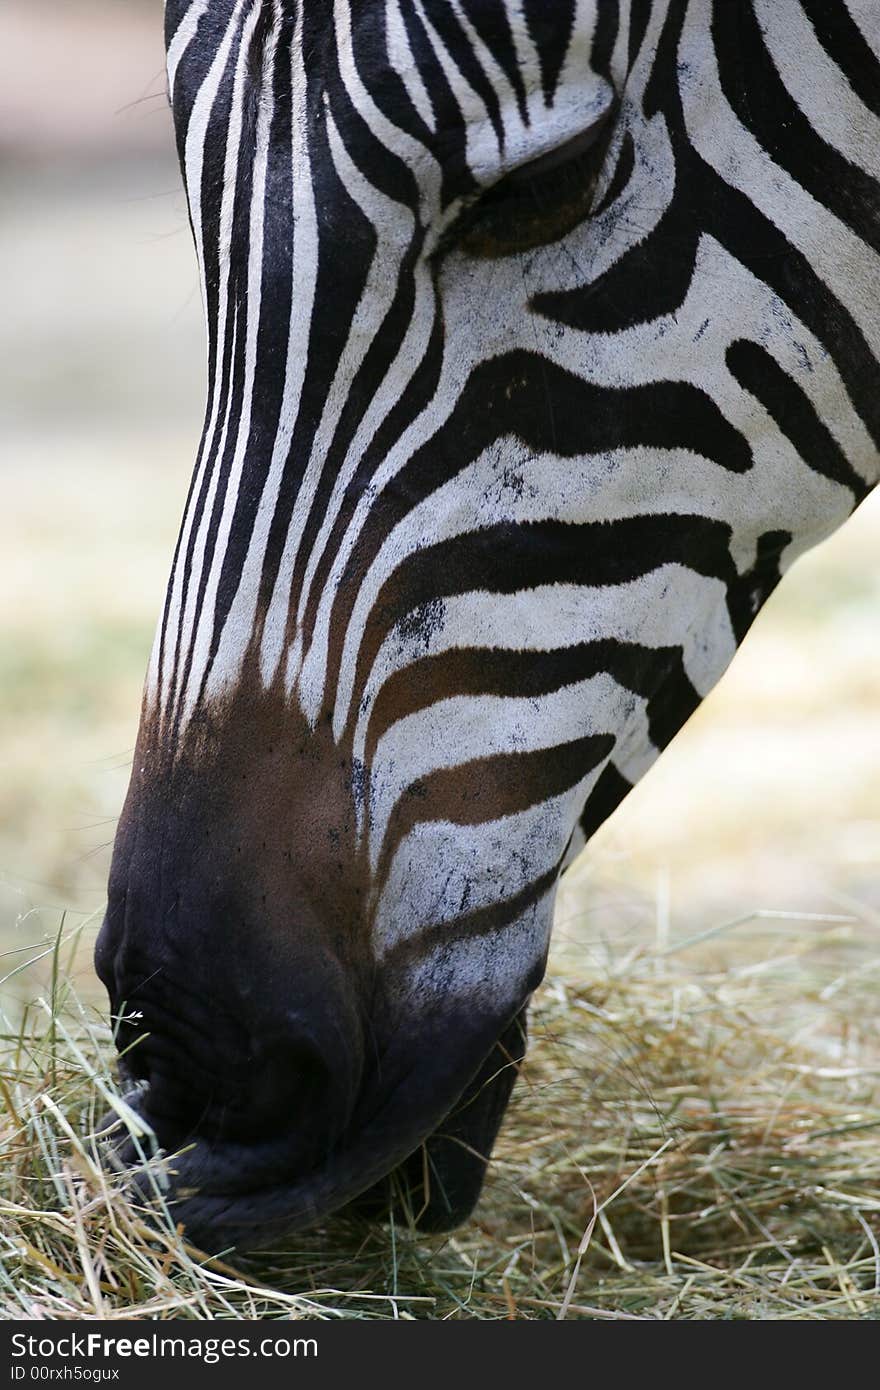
x=839 y=257
x=414 y=154
x=183 y=37
x=441 y=870
x=818 y=86
x=179 y=626
x=151 y=685
x=202 y=642
x=408 y=360
x=496 y=77
x=527 y=58
x=664 y=350
x=866 y=14
x=193 y=165
x=375 y=300
x=395 y=227
x=240 y=620
x=465 y=728
x=490 y=971
x=482 y=151
x=619 y=65
x=197 y=129
x=506 y=484
x=672 y=606
x=456 y=367
x=633 y=82
x=403 y=62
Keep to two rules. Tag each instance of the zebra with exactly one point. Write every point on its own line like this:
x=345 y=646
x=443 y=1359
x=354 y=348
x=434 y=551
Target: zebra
x=542 y=338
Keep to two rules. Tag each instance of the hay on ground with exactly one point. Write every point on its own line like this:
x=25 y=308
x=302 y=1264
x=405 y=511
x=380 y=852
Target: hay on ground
x=696 y=1135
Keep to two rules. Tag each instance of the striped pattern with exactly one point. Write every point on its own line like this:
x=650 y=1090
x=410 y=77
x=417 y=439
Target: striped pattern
x=499 y=518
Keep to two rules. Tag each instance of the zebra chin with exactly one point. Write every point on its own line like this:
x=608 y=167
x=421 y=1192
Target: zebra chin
x=421 y=1157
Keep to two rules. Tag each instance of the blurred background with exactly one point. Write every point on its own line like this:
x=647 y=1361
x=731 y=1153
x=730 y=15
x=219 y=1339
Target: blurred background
x=767 y=801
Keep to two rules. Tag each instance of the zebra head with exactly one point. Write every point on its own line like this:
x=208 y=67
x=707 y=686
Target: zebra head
x=542 y=336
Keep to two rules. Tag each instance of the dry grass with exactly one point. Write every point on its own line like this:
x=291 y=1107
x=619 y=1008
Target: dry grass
x=695 y=1136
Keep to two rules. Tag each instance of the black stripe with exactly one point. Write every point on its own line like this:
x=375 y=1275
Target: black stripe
x=511 y=395
x=199 y=502
x=649 y=281
x=238 y=305
x=471 y=926
x=508 y=557
x=845 y=43
x=212 y=185
x=551 y=28
x=793 y=412
x=605 y=36
x=449 y=144
x=451 y=36
x=391 y=95
x=489 y=19
x=418 y=394
x=782 y=128
x=529 y=675
x=750 y=591
x=272 y=343
x=758 y=244
x=728 y=215
x=603 y=800
x=230 y=376
x=197 y=58
x=488 y=789
x=639 y=18
x=623 y=172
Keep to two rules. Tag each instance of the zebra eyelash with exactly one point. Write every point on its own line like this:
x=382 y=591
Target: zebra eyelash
x=535 y=204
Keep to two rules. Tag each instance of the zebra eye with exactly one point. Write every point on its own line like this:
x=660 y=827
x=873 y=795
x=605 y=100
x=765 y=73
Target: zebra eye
x=537 y=203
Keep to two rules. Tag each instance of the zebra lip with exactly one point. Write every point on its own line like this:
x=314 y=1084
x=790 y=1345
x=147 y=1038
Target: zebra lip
x=231 y=1196
x=201 y=1190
